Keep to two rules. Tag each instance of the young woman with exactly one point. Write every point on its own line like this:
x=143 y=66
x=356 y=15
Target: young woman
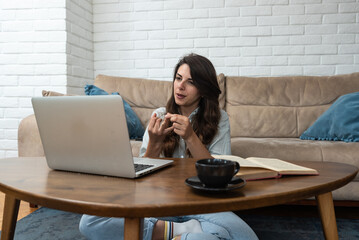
x=191 y=125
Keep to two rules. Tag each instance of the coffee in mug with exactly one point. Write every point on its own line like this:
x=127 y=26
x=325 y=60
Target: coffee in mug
x=216 y=173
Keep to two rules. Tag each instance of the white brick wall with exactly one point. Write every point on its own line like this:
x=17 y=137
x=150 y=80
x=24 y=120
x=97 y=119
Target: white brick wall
x=43 y=45
x=79 y=45
x=252 y=37
x=32 y=53
x=62 y=44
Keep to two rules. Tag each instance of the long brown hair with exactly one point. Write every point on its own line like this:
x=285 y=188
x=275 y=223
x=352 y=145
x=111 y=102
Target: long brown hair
x=205 y=122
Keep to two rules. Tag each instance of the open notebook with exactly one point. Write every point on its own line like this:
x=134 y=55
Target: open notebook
x=254 y=168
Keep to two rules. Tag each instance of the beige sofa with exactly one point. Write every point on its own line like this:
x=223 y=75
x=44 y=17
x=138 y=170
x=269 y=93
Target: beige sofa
x=267 y=116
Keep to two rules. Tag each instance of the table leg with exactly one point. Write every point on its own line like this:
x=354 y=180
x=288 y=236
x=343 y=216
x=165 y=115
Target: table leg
x=327 y=215
x=11 y=209
x=133 y=228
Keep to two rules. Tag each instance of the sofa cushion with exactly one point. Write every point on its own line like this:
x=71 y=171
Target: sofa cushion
x=291 y=149
x=135 y=128
x=29 y=141
x=339 y=123
x=282 y=106
x=135 y=146
x=294 y=149
x=141 y=94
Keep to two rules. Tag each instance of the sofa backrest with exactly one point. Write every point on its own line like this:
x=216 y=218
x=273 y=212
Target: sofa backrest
x=282 y=106
x=144 y=95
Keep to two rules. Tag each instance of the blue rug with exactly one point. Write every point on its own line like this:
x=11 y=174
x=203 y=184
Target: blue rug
x=50 y=224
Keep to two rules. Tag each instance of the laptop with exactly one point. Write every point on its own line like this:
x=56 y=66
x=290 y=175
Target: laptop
x=89 y=134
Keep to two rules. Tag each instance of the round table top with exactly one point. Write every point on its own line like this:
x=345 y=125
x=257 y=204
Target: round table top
x=161 y=193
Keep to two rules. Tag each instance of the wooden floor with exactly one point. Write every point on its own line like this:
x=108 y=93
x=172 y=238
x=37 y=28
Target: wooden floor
x=24 y=209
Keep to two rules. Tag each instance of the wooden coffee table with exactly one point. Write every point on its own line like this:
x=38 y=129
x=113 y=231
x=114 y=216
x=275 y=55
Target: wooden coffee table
x=162 y=193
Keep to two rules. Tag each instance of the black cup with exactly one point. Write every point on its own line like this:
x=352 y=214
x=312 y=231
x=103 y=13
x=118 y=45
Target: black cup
x=216 y=173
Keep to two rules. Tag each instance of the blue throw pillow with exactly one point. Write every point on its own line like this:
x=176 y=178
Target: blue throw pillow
x=135 y=128
x=339 y=123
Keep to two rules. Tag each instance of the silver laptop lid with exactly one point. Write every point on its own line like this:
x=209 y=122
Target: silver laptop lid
x=85 y=134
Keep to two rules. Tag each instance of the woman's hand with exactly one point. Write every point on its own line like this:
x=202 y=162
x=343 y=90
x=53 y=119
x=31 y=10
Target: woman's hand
x=181 y=125
x=158 y=129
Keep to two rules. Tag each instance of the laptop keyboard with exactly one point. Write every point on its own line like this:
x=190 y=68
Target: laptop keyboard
x=140 y=167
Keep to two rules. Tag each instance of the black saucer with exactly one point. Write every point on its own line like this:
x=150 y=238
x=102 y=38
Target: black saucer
x=235 y=183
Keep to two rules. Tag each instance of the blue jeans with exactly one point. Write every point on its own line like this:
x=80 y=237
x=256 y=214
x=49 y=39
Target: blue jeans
x=215 y=226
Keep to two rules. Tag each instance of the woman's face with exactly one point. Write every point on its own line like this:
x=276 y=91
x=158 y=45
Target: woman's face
x=185 y=93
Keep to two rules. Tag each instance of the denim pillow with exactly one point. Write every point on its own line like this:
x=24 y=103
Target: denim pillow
x=135 y=128
x=339 y=123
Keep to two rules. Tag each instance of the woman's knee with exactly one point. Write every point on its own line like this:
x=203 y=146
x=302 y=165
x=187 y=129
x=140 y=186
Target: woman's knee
x=216 y=218
x=226 y=224
x=93 y=227
x=104 y=228
x=199 y=236
x=85 y=225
